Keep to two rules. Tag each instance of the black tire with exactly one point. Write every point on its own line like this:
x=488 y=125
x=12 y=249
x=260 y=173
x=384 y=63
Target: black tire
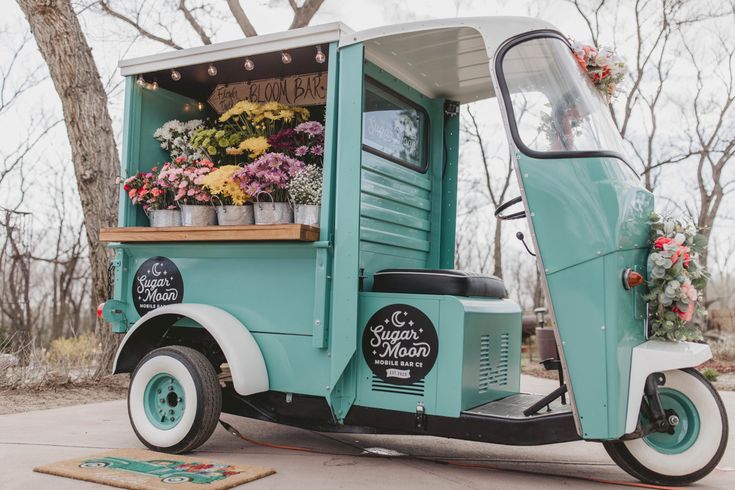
x=712 y=451
x=196 y=425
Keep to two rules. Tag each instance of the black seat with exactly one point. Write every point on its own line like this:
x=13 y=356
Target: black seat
x=438 y=281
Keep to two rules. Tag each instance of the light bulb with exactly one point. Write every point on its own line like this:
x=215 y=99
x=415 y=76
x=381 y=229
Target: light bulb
x=154 y=85
x=175 y=75
x=187 y=107
x=285 y=57
x=212 y=70
x=200 y=105
x=249 y=65
x=320 y=56
x=140 y=81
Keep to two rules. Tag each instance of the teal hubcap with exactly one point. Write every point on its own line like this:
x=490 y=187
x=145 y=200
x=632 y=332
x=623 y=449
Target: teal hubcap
x=685 y=433
x=164 y=401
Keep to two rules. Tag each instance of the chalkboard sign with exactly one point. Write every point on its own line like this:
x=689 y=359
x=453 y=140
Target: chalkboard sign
x=298 y=90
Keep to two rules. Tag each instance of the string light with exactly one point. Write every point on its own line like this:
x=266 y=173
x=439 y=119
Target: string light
x=175 y=75
x=212 y=70
x=140 y=81
x=249 y=65
x=285 y=57
x=154 y=85
x=200 y=105
x=320 y=56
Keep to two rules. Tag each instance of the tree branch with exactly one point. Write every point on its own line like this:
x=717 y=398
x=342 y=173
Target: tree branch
x=303 y=15
x=194 y=23
x=241 y=17
x=136 y=25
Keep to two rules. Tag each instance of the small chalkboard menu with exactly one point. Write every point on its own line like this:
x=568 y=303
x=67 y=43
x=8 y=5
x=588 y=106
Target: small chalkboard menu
x=297 y=90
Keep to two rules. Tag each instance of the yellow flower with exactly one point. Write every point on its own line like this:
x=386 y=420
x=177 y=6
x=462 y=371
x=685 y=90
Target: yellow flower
x=244 y=106
x=219 y=183
x=256 y=145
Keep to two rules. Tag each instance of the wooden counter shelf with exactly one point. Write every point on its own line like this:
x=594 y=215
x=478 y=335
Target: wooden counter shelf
x=241 y=233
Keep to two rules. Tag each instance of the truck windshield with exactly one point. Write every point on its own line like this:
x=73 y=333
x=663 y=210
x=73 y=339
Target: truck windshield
x=555 y=106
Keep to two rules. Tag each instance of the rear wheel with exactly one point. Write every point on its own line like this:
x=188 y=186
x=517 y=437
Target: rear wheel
x=174 y=399
x=698 y=441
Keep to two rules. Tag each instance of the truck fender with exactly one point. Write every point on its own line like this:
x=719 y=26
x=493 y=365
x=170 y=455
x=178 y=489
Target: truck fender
x=249 y=373
x=655 y=356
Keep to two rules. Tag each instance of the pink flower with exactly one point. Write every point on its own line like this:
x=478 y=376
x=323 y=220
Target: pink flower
x=301 y=151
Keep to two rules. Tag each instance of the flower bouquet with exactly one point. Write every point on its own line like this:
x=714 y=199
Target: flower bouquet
x=184 y=178
x=305 y=189
x=604 y=68
x=267 y=179
x=175 y=137
x=676 y=281
x=157 y=201
x=234 y=204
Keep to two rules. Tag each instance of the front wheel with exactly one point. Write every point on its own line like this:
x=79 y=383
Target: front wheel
x=174 y=399
x=698 y=441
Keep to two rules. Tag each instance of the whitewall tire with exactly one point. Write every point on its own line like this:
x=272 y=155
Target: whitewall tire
x=174 y=399
x=697 y=444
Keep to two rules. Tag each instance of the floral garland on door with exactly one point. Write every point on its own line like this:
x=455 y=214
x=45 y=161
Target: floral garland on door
x=676 y=280
x=604 y=68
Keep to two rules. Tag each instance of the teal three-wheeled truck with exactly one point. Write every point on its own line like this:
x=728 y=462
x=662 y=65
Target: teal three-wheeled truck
x=362 y=324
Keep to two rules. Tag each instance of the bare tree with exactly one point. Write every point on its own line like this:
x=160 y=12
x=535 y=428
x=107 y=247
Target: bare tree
x=76 y=78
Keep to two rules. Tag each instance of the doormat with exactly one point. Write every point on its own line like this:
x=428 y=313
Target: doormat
x=140 y=469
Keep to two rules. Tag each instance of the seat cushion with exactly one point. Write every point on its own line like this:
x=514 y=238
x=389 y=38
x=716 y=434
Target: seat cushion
x=438 y=281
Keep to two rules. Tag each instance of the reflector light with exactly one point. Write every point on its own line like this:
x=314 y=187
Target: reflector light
x=631 y=279
x=99 y=310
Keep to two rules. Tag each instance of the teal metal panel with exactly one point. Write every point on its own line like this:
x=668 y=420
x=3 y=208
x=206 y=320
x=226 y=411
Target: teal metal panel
x=343 y=334
x=449 y=192
x=288 y=358
x=478 y=356
x=589 y=217
x=145 y=111
x=400 y=212
x=268 y=287
x=326 y=221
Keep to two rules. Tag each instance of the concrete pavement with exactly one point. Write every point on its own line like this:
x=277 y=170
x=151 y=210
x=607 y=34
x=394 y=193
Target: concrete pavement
x=33 y=438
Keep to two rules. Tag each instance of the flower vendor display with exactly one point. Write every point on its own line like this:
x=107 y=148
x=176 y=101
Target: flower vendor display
x=266 y=179
x=232 y=203
x=184 y=178
x=676 y=281
x=158 y=202
x=305 y=142
x=305 y=189
x=244 y=129
x=604 y=68
x=175 y=137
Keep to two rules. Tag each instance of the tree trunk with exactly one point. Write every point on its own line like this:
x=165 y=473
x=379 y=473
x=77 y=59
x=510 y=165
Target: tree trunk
x=60 y=39
x=498 y=251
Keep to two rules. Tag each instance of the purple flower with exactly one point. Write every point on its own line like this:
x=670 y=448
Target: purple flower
x=317 y=150
x=312 y=128
x=301 y=151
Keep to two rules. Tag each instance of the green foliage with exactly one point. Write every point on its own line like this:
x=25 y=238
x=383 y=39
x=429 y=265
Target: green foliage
x=710 y=373
x=676 y=281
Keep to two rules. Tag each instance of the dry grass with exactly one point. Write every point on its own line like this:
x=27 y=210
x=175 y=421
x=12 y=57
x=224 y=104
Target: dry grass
x=723 y=348
x=66 y=361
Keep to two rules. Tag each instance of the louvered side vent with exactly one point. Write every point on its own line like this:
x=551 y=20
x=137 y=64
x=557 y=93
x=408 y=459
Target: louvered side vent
x=416 y=389
x=493 y=362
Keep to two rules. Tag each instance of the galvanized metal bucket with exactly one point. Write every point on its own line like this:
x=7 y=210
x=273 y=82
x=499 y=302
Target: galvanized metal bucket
x=198 y=215
x=273 y=213
x=164 y=217
x=235 y=215
x=307 y=214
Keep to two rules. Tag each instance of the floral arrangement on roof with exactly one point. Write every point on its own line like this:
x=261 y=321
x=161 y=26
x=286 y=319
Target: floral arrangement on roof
x=604 y=68
x=184 y=178
x=223 y=188
x=676 y=280
x=269 y=174
x=175 y=137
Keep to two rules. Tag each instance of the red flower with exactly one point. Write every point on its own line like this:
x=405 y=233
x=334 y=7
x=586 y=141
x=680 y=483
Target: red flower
x=685 y=315
x=681 y=251
x=661 y=241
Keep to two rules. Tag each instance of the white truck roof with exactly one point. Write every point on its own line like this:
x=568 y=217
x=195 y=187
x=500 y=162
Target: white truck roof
x=440 y=58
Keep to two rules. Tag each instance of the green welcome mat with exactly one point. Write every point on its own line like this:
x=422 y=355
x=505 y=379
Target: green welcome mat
x=140 y=469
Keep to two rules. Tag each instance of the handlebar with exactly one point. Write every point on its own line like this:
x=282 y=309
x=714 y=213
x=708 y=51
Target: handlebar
x=506 y=205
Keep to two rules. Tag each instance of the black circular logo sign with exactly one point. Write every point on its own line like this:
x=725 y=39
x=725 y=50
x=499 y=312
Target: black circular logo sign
x=400 y=344
x=157 y=283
